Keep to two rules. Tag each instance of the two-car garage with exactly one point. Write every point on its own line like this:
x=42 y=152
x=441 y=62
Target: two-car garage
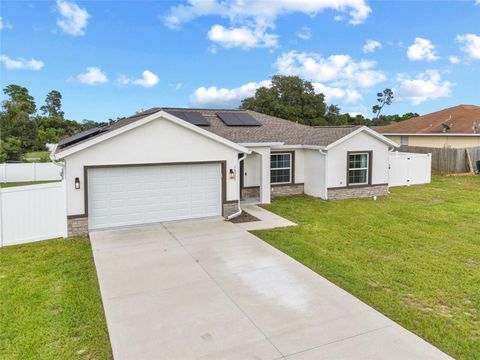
x=128 y=195
x=157 y=168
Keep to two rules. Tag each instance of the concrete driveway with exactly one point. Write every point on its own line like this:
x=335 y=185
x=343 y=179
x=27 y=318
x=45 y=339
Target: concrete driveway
x=211 y=290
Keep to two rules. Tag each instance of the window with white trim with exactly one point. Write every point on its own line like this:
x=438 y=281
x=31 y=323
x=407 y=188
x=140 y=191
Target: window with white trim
x=358 y=171
x=280 y=168
x=403 y=140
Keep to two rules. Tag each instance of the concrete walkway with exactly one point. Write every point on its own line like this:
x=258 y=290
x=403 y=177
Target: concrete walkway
x=211 y=290
x=268 y=219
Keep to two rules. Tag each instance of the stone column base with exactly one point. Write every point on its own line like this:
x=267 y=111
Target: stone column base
x=77 y=226
x=230 y=208
x=357 y=192
x=286 y=190
x=251 y=192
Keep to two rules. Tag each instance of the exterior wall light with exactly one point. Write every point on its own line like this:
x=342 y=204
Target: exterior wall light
x=77 y=183
x=231 y=173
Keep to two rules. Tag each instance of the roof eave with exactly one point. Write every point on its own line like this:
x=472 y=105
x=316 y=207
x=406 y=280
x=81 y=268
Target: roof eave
x=160 y=114
x=369 y=131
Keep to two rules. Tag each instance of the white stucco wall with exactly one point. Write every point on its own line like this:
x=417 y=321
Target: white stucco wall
x=337 y=159
x=159 y=141
x=314 y=173
x=251 y=169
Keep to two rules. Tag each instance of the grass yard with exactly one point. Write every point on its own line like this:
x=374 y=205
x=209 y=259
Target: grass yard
x=50 y=305
x=414 y=255
x=24 y=183
x=34 y=156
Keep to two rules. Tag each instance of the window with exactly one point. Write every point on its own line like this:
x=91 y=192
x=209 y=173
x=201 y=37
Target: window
x=281 y=168
x=358 y=164
x=403 y=140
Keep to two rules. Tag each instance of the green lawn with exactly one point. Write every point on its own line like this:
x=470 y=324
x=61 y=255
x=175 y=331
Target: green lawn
x=36 y=155
x=414 y=255
x=50 y=305
x=24 y=183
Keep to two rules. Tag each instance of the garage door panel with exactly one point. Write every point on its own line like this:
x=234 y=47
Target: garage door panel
x=121 y=196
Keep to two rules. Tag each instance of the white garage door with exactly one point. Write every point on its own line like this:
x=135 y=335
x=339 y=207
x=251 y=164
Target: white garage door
x=119 y=196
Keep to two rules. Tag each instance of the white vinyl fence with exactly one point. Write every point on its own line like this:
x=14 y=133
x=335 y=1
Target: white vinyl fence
x=30 y=172
x=409 y=169
x=33 y=213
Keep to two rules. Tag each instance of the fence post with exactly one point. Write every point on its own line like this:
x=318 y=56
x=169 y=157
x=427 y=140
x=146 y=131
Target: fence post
x=34 y=172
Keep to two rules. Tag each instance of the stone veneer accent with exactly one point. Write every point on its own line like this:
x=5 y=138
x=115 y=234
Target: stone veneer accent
x=77 y=226
x=230 y=208
x=357 y=192
x=286 y=190
x=251 y=192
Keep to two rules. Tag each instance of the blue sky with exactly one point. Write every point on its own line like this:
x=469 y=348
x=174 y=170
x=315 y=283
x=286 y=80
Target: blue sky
x=110 y=58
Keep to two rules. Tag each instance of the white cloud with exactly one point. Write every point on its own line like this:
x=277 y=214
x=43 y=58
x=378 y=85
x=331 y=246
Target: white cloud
x=148 y=80
x=356 y=113
x=425 y=86
x=422 y=49
x=371 y=45
x=250 y=19
x=73 y=19
x=242 y=37
x=339 y=70
x=21 y=64
x=454 y=59
x=471 y=45
x=92 y=76
x=4 y=25
x=214 y=96
x=263 y=12
x=305 y=33
x=337 y=94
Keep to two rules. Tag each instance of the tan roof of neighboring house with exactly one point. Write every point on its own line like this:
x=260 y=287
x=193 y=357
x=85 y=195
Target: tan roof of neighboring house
x=272 y=129
x=460 y=120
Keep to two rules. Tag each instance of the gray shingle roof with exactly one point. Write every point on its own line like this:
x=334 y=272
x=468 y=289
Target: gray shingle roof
x=272 y=129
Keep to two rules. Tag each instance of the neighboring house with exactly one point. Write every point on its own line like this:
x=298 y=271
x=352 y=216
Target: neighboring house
x=170 y=164
x=455 y=127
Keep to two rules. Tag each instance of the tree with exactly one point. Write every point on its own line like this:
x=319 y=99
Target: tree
x=53 y=105
x=289 y=97
x=12 y=149
x=16 y=120
x=383 y=98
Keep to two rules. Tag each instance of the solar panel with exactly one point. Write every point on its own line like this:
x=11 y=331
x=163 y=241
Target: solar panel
x=193 y=117
x=238 y=119
x=81 y=136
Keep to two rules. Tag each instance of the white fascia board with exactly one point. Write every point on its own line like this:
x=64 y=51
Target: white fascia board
x=314 y=147
x=145 y=120
x=427 y=134
x=367 y=130
x=283 y=146
x=265 y=144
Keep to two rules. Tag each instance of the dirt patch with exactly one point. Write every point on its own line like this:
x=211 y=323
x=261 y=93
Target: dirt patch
x=438 y=201
x=417 y=305
x=243 y=218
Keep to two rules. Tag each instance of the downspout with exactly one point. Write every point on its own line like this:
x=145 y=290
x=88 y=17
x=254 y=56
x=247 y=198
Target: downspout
x=239 y=194
x=326 y=170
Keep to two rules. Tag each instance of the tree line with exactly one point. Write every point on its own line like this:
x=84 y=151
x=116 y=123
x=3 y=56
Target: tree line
x=295 y=99
x=24 y=129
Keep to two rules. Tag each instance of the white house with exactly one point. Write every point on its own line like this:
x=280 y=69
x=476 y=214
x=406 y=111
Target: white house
x=168 y=164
